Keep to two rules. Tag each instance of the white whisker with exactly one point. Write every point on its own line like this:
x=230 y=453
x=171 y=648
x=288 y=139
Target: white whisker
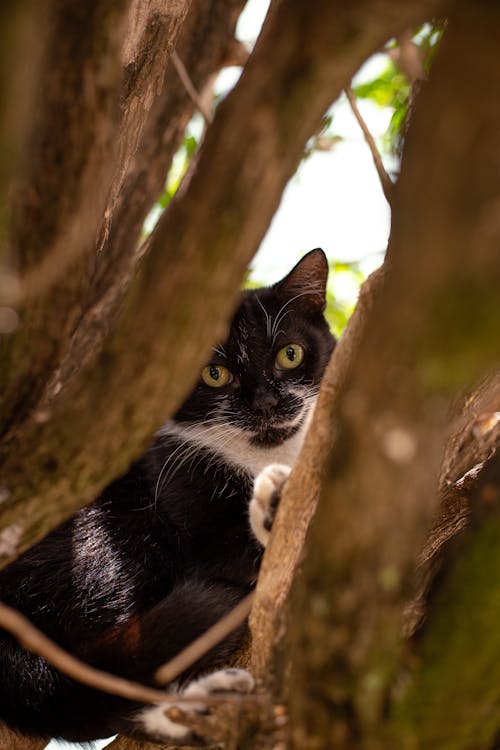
x=281 y=314
x=268 y=318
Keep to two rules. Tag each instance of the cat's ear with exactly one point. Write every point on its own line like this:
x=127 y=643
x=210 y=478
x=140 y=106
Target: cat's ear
x=306 y=282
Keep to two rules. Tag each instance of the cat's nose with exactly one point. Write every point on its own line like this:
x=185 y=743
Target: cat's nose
x=264 y=402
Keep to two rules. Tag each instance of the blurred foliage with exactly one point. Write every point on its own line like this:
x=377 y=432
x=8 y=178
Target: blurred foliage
x=427 y=39
x=178 y=169
x=325 y=139
x=391 y=87
x=344 y=282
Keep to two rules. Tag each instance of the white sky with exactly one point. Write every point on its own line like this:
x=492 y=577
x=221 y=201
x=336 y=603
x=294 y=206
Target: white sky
x=334 y=201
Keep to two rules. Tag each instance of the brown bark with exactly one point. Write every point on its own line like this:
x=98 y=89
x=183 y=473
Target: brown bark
x=19 y=40
x=434 y=324
x=145 y=55
x=298 y=503
x=10 y=740
x=59 y=195
x=155 y=117
x=457 y=650
x=473 y=445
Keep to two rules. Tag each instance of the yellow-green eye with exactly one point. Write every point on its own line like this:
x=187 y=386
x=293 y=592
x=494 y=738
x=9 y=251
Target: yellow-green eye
x=216 y=376
x=289 y=357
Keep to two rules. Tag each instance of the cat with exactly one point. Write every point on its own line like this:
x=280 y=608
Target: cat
x=174 y=544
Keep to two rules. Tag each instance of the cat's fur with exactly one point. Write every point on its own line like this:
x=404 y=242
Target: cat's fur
x=167 y=549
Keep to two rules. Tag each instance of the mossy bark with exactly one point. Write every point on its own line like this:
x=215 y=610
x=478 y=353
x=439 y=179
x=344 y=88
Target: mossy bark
x=451 y=698
x=421 y=345
x=60 y=190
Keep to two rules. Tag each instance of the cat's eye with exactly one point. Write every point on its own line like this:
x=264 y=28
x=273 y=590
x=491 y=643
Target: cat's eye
x=216 y=376
x=289 y=357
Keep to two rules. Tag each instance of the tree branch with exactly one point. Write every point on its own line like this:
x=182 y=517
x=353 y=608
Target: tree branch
x=385 y=181
x=189 y=86
x=430 y=334
x=147 y=146
x=457 y=644
x=205 y=642
x=301 y=492
x=60 y=193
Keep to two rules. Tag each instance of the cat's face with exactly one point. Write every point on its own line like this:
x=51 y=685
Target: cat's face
x=264 y=378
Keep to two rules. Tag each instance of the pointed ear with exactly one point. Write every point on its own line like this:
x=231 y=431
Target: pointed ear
x=307 y=282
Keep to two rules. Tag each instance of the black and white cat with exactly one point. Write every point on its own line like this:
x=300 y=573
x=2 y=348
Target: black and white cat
x=173 y=545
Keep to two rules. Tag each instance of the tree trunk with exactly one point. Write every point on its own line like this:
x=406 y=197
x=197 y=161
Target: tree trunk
x=434 y=322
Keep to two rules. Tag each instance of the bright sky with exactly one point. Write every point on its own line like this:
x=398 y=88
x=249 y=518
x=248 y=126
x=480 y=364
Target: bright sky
x=334 y=201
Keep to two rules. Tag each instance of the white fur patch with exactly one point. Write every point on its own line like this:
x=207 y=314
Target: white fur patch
x=267 y=484
x=229 y=680
x=235 y=447
x=159 y=727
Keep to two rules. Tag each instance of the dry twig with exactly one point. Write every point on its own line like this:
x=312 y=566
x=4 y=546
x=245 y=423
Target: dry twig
x=205 y=642
x=190 y=88
x=385 y=180
x=34 y=640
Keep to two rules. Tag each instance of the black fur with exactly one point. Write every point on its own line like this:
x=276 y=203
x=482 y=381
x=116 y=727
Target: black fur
x=166 y=549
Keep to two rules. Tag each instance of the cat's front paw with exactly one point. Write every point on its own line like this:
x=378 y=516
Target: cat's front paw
x=265 y=498
x=156 y=725
x=230 y=680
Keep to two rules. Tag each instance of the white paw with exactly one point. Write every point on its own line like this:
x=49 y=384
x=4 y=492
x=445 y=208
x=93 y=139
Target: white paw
x=156 y=725
x=265 y=497
x=160 y=728
x=223 y=681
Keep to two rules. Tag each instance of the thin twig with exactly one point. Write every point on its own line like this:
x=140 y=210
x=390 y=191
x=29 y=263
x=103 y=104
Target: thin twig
x=385 y=180
x=190 y=87
x=34 y=640
x=205 y=642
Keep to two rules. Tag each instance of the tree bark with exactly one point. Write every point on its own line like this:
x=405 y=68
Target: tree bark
x=60 y=194
x=10 y=740
x=151 y=134
x=433 y=323
x=19 y=41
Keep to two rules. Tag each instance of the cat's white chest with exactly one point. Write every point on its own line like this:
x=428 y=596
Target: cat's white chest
x=234 y=446
x=243 y=454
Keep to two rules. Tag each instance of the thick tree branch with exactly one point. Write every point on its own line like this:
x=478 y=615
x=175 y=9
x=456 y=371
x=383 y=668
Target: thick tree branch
x=19 y=40
x=458 y=645
x=473 y=448
x=147 y=147
x=60 y=194
x=300 y=496
x=431 y=333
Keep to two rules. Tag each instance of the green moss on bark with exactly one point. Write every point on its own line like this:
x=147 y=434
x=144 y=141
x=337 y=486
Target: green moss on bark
x=453 y=700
